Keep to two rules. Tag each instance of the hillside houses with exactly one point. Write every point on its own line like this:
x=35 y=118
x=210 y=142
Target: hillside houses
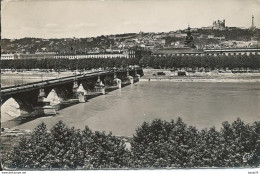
x=146 y=41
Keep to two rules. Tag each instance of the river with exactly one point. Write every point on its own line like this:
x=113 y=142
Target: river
x=200 y=104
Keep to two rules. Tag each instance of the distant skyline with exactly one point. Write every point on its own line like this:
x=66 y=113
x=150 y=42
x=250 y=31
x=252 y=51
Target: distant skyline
x=90 y=18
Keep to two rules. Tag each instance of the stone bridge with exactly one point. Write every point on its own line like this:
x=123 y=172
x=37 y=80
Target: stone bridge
x=40 y=98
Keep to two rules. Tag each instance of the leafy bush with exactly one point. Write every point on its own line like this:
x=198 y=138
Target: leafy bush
x=67 y=148
x=159 y=144
x=170 y=144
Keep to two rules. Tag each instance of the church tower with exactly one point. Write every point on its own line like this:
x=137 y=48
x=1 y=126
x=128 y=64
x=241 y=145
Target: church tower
x=189 y=41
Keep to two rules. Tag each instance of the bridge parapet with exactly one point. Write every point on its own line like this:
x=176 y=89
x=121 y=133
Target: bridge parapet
x=29 y=96
x=54 y=82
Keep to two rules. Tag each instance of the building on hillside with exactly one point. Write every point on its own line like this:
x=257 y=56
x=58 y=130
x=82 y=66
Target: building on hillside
x=220 y=38
x=130 y=53
x=219 y=25
x=112 y=54
x=149 y=47
x=210 y=36
x=190 y=49
x=90 y=39
x=37 y=56
x=45 y=53
x=113 y=51
x=157 y=36
x=178 y=35
x=85 y=56
x=163 y=41
x=193 y=29
x=239 y=44
x=8 y=56
x=206 y=28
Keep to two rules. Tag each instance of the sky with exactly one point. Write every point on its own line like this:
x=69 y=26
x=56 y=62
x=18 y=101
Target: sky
x=90 y=18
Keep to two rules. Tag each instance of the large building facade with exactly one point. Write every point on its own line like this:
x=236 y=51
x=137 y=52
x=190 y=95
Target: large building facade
x=122 y=54
x=208 y=52
x=8 y=56
x=85 y=56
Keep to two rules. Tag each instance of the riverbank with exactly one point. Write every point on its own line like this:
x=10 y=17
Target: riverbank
x=213 y=76
x=183 y=79
x=10 y=78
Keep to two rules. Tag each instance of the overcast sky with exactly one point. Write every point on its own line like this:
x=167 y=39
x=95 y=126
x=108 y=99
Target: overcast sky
x=86 y=18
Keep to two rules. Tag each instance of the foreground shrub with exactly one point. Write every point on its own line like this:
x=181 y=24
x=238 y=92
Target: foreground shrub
x=159 y=144
x=170 y=144
x=67 y=148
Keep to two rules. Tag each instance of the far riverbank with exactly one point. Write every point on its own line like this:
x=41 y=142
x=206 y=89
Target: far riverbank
x=16 y=78
x=200 y=80
x=213 y=76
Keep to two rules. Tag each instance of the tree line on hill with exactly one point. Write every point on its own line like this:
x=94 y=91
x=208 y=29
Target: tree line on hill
x=67 y=64
x=211 y=62
x=159 y=144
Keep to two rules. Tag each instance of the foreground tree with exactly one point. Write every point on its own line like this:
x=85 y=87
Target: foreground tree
x=159 y=144
x=170 y=144
x=67 y=148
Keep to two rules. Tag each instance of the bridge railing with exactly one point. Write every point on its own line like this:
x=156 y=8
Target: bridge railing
x=36 y=82
x=46 y=81
x=56 y=80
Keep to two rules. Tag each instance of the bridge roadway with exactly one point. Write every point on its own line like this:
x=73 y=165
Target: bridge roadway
x=52 y=82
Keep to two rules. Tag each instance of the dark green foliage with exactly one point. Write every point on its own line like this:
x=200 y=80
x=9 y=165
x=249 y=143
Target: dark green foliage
x=67 y=148
x=159 y=144
x=144 y=60
x=231 y=62
x=170 y=144
x=69 y=64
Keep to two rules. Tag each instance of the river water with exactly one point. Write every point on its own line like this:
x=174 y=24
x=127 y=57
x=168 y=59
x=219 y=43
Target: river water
x=200 y=104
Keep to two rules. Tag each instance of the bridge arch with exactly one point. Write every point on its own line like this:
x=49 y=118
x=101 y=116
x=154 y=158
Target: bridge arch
x=108 y=79
x=10 y=109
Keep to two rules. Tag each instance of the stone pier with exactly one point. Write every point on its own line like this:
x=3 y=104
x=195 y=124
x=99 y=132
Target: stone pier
x=117 y=81
x=131 y=79
x=99 y=86
x=44 y=107
x=137 y=77
x=81 y=92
